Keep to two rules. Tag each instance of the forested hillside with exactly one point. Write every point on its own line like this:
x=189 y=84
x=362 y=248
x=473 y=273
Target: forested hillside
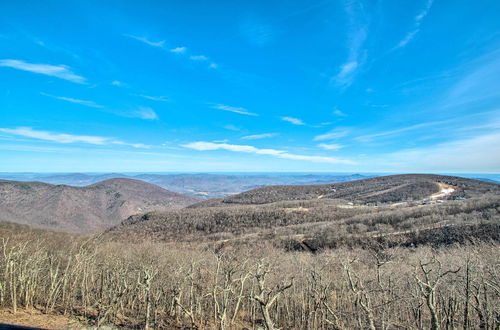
x=384 y=189
x=398 y=252
x=83 y=209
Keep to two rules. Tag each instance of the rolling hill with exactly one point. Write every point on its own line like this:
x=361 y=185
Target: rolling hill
x=325 y=214
x=202 y=185
x=83 y=209
x=383 y=189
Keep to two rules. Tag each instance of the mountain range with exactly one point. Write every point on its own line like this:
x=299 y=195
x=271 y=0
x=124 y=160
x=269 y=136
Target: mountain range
x=83 y=209
x=204 y=185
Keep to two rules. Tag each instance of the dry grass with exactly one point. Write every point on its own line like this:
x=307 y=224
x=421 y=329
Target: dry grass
x=37 y=319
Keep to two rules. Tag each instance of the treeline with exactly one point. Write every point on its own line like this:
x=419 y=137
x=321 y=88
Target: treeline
x=434 y=236
x=219 y=222
x=322 y=220
x=195 y=287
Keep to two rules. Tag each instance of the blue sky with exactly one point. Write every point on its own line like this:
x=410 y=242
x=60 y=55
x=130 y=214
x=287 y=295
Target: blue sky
x=391 y=86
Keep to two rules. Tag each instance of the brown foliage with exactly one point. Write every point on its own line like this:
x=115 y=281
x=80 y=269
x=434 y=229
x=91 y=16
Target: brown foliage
x=161 y=285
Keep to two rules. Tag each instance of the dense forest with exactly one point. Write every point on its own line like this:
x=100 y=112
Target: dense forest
x=179 y=286
x=324 y=221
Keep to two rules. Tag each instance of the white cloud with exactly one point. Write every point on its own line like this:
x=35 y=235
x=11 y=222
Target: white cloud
x=154 y=98
x=259 y=136
x=158 y=44
x=478 y=154
x=207 y=146
x=231 y=127
x=339 y=113
x=58 y=71
x=239 y=110
x=418 y=21
x=134 y=145
x=293 y=120
x=345 y=70
x=67 y=138
x=198 y=58
x=72 y=100
x=54 y=137
x=144 y=113
x=117 y=83
x=407 y=38
x=178 y=50
x=330 y=146
x=332 y=135
x=357 y=34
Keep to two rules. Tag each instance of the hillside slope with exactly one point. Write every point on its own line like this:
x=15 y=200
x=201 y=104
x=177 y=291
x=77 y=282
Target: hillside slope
x=389 y=205
x=384 y=189
x=83 y=209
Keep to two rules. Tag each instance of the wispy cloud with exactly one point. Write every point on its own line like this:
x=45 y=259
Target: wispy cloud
x=418 y=21
x=117 y=83
x=257 y=32
x=198 y=58
x=358 y=32
x=478 y=82
x=259 y=136
x=178 y=50
x=339 y=113
x=332 y=135
x=58 y=71
x=448 y=156
x=67 y=138
x=239 y=110
x=371 y=137
x=207 y=146
x=203 y=58
x=72 y=100
x=154 y=98
x=145 y=40
x=143 y=113
x=231 y=127
x=330 y=146
x=293 y=120
x=346 y=73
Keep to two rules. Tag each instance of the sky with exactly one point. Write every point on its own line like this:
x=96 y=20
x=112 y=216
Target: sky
x=204 y=86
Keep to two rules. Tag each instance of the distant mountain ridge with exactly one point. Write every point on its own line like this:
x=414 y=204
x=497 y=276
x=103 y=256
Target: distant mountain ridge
x=203 y=185
x=83 y=209
x=391 y=188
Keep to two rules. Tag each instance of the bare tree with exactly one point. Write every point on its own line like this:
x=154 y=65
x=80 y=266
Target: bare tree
x=267 y=297
x=428 y=286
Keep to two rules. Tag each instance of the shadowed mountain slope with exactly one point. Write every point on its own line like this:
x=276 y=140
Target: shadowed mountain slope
x=83 y=209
